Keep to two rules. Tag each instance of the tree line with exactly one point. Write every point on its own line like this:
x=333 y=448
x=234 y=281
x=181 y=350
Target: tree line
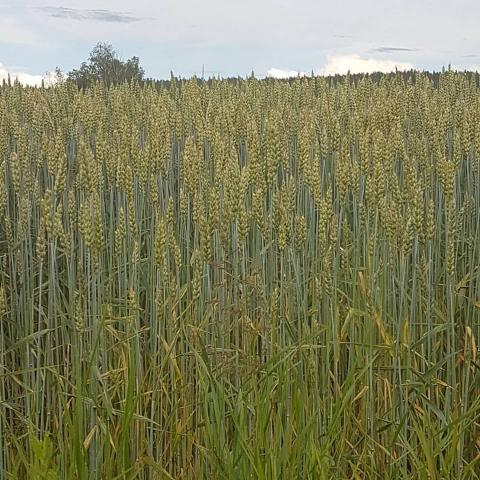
x=104 y=65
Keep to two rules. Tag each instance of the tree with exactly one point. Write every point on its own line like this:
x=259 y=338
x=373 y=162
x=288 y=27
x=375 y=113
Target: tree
x=105 y=66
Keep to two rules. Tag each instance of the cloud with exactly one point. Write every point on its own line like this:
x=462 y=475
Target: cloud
x=279 y=73
x=14 y=32
x=463 y=68
x=49 y=79
x=89 y=15
x=341 y=64
x=393 y=49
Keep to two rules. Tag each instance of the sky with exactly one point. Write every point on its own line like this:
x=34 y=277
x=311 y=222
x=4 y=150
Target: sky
x=233 y=38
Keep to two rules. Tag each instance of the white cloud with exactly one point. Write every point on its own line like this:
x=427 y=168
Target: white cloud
x=279 y=73
x=463 y=67
x=49 y=78
x=14 y=32
x=341 y=64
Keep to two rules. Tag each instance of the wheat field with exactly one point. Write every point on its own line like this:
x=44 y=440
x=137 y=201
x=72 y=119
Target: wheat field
x=244 y=279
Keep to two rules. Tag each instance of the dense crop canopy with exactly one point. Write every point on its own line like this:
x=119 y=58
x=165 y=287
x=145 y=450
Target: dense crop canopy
x=241 y=280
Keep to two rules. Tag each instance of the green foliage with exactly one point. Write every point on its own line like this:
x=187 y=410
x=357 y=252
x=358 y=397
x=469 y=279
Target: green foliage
x=241 y=279
x=43 y=464
x=105 y=66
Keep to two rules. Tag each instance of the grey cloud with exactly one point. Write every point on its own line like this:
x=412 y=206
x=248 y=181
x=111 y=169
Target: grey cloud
x=393 y=49
x=89 y=15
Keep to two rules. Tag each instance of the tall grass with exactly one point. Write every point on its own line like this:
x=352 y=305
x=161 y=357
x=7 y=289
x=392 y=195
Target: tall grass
x=247 y=280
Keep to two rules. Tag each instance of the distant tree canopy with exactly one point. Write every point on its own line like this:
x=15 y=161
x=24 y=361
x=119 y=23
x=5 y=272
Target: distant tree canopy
x=105 y=66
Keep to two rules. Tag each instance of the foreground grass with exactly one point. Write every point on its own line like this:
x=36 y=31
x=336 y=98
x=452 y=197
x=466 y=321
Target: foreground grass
x=250 y=280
